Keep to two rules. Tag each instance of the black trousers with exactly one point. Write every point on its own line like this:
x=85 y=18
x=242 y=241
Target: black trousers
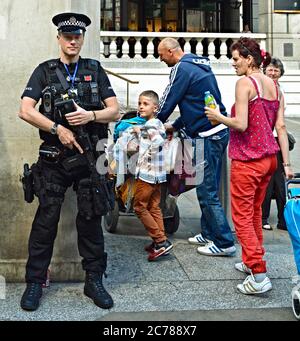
x=44 y=228
x=276 y=190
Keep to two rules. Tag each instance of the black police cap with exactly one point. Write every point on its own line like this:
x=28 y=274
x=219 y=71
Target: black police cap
x=71 y=22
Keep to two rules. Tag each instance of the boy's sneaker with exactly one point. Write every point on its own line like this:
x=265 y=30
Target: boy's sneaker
x=251 y=287
x=150 y=248
x=211 y=249
x=242 y=268
x=198 y=240
x=160 y=250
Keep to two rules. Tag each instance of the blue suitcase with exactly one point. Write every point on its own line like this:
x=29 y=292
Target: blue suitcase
x=292 y=219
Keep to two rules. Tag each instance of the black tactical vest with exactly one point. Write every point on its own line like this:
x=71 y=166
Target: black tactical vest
x=88 y=94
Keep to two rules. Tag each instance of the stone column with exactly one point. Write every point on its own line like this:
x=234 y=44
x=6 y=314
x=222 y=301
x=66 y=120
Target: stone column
x=27 y=38
x=283 y=33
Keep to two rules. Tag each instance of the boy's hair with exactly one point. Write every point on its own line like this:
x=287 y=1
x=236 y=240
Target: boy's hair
x=152 y=95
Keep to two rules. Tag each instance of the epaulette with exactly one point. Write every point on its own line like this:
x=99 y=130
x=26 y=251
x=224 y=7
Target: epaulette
x=92 y=64
x=52 y=64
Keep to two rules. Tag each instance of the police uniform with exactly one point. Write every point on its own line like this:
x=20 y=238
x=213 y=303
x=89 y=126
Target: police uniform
x=90 y=86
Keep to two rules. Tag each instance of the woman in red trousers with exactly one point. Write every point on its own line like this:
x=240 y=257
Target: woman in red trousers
x=257 y=110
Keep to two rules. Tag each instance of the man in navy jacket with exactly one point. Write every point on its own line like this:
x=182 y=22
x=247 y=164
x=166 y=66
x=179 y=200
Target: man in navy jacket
x=191 y=76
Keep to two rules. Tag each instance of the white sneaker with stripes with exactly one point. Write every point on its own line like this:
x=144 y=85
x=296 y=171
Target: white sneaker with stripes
x=211 y=249
x=198 y=240
x=242 y=268
x=251 y=287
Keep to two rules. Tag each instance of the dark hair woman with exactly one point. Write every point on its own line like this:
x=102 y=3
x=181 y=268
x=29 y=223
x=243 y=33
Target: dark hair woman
x=258 y=109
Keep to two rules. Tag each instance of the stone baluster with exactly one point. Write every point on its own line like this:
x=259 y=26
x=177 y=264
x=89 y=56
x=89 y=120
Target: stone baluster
x=187 y=46
x=211 y=49
x=102 y=49
x=125 y=48
x=138 y=48
x=199 y=47
x=113 y=49
x=104 y=46
x=150 y=49
x=223 y=50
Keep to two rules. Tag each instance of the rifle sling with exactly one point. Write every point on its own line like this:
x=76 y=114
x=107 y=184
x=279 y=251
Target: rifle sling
x=62 y=79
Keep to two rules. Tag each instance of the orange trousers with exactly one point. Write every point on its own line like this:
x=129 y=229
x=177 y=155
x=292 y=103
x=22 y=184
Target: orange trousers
x=248 y=185
x=146 y=206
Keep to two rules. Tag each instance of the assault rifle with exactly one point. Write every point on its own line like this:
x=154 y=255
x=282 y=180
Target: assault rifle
x=102 y=187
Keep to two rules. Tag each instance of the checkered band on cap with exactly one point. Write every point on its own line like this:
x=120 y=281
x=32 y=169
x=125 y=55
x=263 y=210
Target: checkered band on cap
x=71 y=22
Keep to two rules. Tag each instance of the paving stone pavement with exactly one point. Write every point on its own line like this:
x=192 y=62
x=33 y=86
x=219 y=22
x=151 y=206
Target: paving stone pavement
x=182 y=286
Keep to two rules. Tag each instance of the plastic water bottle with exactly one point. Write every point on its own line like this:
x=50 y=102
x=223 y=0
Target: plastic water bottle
x=209 y=100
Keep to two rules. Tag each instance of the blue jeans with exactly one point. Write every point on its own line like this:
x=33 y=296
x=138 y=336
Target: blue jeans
x=214 y=225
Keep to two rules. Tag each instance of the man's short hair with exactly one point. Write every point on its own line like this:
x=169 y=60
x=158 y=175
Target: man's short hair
x=152 y=95
x=170 y=43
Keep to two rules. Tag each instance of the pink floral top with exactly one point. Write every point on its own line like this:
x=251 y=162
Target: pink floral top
x=257 y=141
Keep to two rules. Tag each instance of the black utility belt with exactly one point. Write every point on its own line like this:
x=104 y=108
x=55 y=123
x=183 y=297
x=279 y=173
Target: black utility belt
x=50 y=153
x=55 y=155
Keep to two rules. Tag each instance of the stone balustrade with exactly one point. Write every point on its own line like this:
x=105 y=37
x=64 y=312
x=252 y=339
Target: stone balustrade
x=118 y=45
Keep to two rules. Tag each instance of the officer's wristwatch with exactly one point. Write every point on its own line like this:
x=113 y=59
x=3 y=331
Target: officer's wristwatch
x=53 y=130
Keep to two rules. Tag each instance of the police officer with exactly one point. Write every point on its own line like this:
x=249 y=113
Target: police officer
x=85 y=81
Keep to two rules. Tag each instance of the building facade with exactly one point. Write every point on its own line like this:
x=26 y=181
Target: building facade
x=277 y=19
x=174 y=15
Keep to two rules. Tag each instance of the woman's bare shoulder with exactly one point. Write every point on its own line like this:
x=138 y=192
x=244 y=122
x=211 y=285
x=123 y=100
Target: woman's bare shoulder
x=243 y=82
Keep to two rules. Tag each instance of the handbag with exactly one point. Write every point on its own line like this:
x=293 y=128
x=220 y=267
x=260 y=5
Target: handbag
x=178 y=183
x=183 y=178
x=291 y=140
x=170 y=150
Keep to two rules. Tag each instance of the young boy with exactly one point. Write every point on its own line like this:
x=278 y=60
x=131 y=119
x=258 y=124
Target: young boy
x=150 y=173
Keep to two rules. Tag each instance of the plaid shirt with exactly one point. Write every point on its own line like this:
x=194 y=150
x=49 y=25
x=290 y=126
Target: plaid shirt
x=150 y=166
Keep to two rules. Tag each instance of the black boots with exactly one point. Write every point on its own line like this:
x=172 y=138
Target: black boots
x=94 y=289
x=31 y=297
